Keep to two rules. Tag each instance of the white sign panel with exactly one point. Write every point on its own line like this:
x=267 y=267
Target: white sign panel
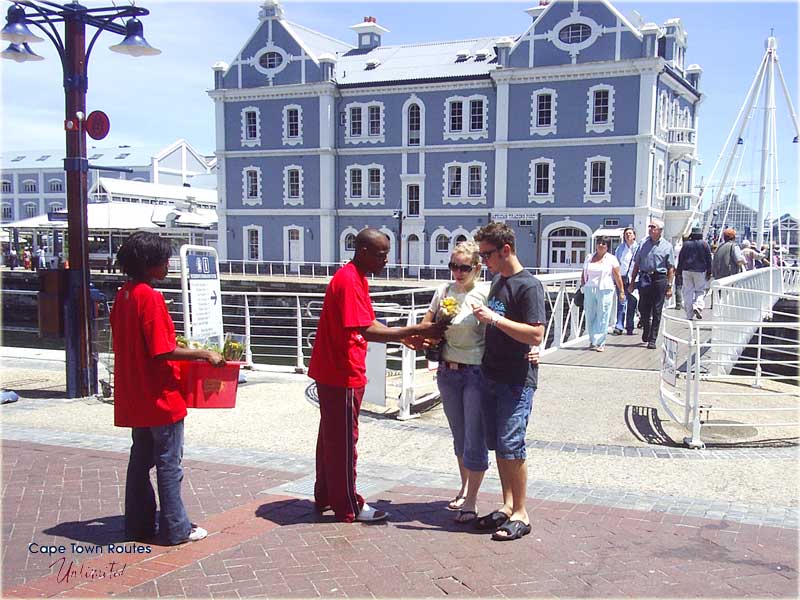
x=202 y=298
x=669 y=364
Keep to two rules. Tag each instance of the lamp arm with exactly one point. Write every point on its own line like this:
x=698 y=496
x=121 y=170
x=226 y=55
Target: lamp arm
x=107 y=24
x=53 y=37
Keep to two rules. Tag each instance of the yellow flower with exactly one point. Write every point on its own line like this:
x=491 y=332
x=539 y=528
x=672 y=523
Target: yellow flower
x=449 y=307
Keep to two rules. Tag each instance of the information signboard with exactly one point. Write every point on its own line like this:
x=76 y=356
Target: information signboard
x=202 y=298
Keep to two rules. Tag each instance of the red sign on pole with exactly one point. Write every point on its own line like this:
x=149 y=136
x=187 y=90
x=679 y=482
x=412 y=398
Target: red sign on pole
x=97 y=125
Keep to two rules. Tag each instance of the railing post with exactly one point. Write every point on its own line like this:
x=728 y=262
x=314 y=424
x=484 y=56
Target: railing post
x=299 y=367
x=248 y=356
x=558 y=316
x=757 y=382
x=695 y=441
x=409 y=367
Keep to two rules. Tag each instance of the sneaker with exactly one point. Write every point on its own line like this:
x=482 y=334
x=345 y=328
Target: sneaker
x=617 y=331
x=369 y=514
x=197 y=534
x=698 y=314
x=651 y=346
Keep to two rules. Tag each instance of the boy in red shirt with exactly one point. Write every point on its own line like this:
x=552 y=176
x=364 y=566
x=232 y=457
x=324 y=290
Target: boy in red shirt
x=338 y=365
x=147 y=395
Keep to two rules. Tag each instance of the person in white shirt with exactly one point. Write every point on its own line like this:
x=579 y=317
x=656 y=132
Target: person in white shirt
x=600 y=278
x=626 y=310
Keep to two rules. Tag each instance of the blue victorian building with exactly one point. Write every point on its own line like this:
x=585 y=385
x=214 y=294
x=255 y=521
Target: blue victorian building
x=582 y=123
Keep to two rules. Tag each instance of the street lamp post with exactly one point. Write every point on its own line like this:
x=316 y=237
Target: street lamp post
x=74 y=55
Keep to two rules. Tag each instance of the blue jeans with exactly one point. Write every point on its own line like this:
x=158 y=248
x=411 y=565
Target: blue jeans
x=462 y=390
x=506 y=410
x=597 y=304
x=160 y=447
x=626 y=311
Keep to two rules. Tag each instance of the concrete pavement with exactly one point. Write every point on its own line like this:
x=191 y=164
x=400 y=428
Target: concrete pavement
x=612 y=515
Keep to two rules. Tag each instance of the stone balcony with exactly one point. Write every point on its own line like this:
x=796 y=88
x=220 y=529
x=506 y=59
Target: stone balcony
x=681 y=142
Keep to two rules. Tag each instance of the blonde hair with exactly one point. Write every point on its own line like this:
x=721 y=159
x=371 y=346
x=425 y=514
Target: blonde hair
x=470 y=249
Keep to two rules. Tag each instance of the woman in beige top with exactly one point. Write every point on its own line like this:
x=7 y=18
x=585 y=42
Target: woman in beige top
x=459 y=375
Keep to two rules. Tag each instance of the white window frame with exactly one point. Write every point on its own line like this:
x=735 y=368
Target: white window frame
x=10 y=208
x=246 y=199
x=414 y=99
x=288 y=200
x=344 y=253
x=661 y=178
x=246 y=243
x=54 y=206
x=270 y=47
x=31 y=182
x=464 y=197
x=247 y=141
x=407 y=180
x=301 y=239
x=588 y=196
x=575 y=48
x=7 y=187
x=56 y=182
x=365 y=198
x=287 y=139
x=533 y=197
x=29 y=214
x=440 y=236
x=537 y=129
x=663 y=110
x=364 y=137
x=465 y=133
x=591 y=126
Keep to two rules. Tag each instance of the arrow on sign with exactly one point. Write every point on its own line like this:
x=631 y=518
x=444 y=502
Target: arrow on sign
x=214 y=297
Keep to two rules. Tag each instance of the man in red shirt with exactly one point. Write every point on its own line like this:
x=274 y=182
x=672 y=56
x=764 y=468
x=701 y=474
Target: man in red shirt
x=338 y=365
x=147 y=394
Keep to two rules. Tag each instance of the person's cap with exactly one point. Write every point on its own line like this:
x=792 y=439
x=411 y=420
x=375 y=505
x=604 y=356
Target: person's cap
x=697 y=231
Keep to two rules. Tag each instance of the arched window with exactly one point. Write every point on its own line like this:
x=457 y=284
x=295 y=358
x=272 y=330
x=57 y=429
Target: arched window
x=461 y=238
x=442 y=243
x=414 y=125
x=350 y=242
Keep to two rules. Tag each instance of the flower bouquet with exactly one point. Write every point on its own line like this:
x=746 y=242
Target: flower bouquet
x=448 y=309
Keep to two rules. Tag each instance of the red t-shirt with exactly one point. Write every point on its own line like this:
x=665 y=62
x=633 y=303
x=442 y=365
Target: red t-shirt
x=340 y=351
x=146 y=389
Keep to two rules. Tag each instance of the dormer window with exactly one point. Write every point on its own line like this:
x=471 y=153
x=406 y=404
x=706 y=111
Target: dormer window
x=575 y=33
x=462 y=56
x=481 y=55
x=43 y=157
x=372 y=63
x=123 y=155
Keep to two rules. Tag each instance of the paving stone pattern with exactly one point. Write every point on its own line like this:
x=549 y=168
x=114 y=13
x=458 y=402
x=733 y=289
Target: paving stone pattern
x=265 y=544
x=298 y=466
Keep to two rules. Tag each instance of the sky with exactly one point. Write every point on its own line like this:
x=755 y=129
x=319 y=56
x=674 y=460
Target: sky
x=156 y=100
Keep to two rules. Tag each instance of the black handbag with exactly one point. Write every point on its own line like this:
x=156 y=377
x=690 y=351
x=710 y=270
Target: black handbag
x=579 y=298
x=435 y=353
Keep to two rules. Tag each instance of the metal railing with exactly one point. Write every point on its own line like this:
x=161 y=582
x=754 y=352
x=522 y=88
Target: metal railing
x=743 y=362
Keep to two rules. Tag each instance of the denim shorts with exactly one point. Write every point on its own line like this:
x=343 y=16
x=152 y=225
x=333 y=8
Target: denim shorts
x=506 y=409
x=462 y=393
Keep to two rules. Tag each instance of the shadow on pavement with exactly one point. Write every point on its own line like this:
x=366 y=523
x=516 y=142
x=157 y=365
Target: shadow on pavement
x=97 y=531
x=645 y=425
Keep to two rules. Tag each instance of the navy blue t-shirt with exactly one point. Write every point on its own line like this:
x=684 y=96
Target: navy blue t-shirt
x=520 y=298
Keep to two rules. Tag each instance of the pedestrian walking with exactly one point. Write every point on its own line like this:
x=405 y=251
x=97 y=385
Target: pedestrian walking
x=626 y=310
x=694 y=264
x=338 y=365
x=147 y=396
x=752 y=257
x=600 y=278
x=515 y=320
x=459 y=378
x=654 y=264
x=728 y=259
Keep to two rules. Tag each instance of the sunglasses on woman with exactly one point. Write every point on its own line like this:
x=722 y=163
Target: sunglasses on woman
x=463 y=268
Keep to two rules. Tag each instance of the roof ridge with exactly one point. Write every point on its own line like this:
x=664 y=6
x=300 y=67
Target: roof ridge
x=493 y=37
x=319 y=33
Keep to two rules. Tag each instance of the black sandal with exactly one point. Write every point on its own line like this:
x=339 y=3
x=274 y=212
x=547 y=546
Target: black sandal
x=491 y=521
x=514 y=530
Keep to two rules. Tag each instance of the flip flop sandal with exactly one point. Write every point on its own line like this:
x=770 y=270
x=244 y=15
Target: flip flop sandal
x=471 y=514
x=456 y=503
x=514 y=530
x=491 y=521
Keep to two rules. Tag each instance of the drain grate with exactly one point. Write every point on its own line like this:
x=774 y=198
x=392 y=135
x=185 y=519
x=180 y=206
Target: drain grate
x=304 y=487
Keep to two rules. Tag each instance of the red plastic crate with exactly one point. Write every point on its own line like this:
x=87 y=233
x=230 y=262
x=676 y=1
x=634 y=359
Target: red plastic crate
x=207 y=386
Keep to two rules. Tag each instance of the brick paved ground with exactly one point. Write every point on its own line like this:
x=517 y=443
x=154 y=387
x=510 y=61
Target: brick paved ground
x=267 y=544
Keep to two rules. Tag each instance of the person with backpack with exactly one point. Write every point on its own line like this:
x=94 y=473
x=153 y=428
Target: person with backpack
x=728 y=259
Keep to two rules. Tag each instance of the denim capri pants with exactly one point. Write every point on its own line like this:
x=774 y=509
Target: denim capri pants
x=506 y=409
x=462 y=391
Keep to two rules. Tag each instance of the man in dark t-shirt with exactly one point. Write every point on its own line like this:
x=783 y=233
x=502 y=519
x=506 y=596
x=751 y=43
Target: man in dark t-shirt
x=515 y=319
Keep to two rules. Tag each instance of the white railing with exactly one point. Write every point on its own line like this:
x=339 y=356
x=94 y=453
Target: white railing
x=743 y=362
x=681 y=135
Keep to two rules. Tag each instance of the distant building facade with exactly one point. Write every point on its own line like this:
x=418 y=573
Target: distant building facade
x=33 y=182
x=731 y=212
x=584 y=121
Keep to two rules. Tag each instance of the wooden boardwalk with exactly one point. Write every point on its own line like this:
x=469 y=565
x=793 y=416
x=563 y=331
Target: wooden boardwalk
x=622 y=351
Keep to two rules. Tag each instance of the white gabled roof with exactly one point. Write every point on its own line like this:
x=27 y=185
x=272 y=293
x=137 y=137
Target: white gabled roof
x=143 y=189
